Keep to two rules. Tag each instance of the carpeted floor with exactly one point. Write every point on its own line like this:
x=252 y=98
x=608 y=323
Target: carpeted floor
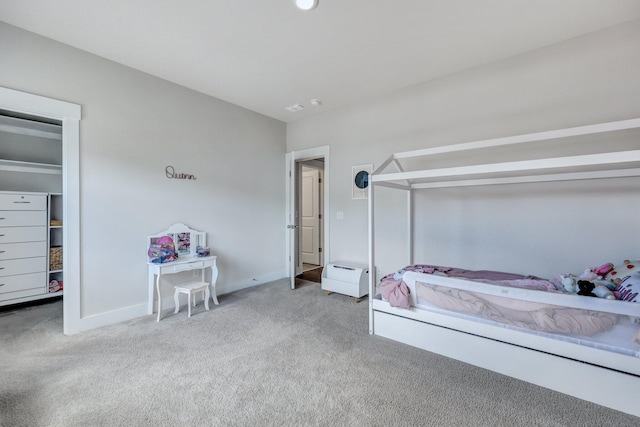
x=266 y=356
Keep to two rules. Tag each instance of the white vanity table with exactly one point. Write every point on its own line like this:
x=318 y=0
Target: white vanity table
x=187 y=261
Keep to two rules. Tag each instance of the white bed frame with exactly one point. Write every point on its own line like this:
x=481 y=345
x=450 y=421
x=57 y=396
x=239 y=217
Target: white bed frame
x=586 y=373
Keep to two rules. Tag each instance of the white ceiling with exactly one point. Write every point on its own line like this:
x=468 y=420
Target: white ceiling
x=265 y=55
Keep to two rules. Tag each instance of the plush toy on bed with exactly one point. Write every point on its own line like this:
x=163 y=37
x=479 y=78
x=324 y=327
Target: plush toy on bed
x=592 y=290
x=624 y=278
x=577 y=285
x=569 y=282
x=597 y=274
x=621 y=271
x=586 y=288
x=629 y=288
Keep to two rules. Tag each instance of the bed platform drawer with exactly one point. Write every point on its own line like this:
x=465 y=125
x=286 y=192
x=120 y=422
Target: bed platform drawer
x=346 y=278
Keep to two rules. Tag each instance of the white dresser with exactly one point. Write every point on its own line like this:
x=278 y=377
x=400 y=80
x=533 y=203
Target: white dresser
x=23 y=246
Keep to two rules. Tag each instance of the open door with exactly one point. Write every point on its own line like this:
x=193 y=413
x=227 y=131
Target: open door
x=293 y=222
x=294 y=162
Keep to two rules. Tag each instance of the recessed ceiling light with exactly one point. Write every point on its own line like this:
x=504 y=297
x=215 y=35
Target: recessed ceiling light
x=315 y=102
x=306 y=4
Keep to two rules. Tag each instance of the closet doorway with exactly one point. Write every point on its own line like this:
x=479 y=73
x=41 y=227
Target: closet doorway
x=67 y=201
x=307 y=213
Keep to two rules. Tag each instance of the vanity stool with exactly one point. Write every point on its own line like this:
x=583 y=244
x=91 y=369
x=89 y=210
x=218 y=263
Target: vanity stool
x=191 y=289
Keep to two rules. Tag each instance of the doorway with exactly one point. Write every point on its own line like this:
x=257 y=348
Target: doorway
x=68 y=115
x=310 y=208
x=307 y=213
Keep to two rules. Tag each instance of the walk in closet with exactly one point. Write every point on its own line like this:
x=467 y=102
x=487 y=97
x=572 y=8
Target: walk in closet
x=31 y=228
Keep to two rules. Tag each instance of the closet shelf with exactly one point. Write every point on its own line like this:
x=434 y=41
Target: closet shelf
x=26 y=127
x=31 y=167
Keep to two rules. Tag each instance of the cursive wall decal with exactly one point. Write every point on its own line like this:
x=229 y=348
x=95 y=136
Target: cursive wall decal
x=171 y=173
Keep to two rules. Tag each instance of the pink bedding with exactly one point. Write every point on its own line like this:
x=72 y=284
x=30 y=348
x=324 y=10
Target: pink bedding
x=394 y=290
x=525 y=314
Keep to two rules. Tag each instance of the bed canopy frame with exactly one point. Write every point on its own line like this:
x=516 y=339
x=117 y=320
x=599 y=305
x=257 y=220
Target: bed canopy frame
x=402 y=171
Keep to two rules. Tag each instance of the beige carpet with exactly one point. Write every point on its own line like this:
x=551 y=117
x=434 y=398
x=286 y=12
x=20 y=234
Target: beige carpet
x=266 y=356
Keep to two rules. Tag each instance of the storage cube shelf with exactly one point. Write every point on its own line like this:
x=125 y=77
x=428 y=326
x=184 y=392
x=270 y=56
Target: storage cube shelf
x=55 y=258
x=346 y=278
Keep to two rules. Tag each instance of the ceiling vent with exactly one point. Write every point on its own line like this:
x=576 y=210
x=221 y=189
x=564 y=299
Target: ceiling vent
x=294 y=108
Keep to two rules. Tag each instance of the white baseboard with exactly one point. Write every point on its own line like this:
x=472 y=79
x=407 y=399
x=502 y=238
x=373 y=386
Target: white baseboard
x=140 y=310
x=113 y=317
x=254 y=281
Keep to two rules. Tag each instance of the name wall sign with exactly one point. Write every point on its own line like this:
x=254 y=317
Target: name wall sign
x=172 y=174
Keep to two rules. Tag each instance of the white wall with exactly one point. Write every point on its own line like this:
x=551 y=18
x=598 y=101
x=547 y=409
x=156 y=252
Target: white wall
x=590 y=79
x=133 y=125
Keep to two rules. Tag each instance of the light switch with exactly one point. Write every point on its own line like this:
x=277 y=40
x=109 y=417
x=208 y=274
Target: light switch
x=340 y=215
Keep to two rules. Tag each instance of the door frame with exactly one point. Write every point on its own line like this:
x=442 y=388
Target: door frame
x=293 y=160
x=69 y=115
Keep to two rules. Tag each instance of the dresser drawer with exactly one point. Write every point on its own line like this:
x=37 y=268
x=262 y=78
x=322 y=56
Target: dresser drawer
x=22 y=218
x=23 y=282
x=23 y=234
x=23 y=250
x=23 y=202
x=178 y=266
x=11 y=267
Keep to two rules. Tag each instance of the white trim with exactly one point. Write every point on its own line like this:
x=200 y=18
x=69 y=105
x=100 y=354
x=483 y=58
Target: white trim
x=69 y=114
x=254 y=281
x=603 y=386
x=112 y=317
x=518 y=139
x=140 y=310
x=576 y=176
x=169 y=302
x=514 y=167
x=14 y=100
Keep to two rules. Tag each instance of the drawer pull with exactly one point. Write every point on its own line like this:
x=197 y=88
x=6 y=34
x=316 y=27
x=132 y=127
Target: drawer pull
x=21 y=201
x=1 y=252
x=1 y=284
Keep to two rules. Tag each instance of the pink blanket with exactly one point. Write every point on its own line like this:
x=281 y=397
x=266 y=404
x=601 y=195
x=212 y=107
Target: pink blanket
x=394 y=290
x=525 y=314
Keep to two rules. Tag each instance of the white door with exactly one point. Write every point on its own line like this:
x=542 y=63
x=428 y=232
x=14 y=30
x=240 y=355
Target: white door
x=310 y=213
x=293 y=196
x=294 y=167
